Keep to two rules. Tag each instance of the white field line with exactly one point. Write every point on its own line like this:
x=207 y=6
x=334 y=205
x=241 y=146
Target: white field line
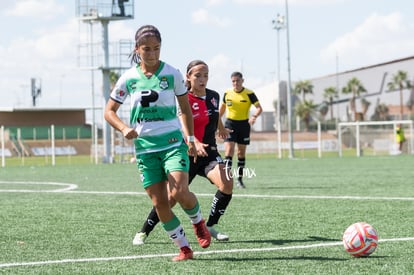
x=150 y=256
x=261 y=196
x=70 y=188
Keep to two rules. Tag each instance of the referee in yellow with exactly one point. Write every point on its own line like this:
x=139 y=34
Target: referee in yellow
x=400 y=137
x=237 y=101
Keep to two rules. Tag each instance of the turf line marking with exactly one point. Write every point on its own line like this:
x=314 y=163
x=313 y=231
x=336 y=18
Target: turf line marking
x=259 y=196
x=68 y=186
x=150 y=256
x=71 y=189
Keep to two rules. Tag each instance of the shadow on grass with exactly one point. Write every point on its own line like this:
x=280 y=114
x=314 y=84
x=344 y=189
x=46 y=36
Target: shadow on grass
x=254 y=259
x=300 y=258
x=291 y=187
x=282 y=242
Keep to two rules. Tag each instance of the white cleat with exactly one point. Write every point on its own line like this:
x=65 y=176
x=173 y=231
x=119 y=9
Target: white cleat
x=217 y=235
x=139 y=238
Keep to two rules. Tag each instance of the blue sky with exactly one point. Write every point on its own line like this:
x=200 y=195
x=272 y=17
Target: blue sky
x=40 y=39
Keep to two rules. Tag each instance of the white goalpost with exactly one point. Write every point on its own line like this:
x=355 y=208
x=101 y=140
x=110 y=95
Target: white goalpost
x=374 y=134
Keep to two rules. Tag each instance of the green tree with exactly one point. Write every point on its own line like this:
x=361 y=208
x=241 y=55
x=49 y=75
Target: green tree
x=380 y=112
x=400 y=80
x=305 y=110
x=354 y=87
x=330 y=93
x=365 y=105
x=302 y=88
x=113 y=78
x=323 y=109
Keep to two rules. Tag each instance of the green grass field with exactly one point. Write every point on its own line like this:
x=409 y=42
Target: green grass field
x=81 y=219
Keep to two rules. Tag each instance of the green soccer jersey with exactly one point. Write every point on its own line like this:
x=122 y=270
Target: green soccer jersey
x=153 y=112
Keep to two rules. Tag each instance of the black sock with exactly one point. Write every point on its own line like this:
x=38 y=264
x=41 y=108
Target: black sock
x=228 y=161
x=240 y=166
x=218 y=207
x=150 y=222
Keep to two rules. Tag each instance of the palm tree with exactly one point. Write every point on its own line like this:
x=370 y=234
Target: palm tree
x=329 y=94
x=303 y=87
x=355 y=87
x=381 y=112
x=365 y=105
x=323 y=109
x=400 y=81
x=305 y=110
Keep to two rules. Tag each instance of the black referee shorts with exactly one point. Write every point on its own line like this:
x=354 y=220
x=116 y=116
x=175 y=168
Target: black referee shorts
x=241 y=131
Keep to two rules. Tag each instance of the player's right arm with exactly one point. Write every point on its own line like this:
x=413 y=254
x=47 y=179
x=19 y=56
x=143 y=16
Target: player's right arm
x=113 y=119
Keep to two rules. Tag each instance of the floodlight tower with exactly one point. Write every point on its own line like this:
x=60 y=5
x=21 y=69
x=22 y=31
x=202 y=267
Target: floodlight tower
x=104 y=11
x=289 y=86
x=278 y=24
x=36 y=89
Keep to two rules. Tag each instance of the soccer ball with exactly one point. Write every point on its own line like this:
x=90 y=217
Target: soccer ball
x=360 y=239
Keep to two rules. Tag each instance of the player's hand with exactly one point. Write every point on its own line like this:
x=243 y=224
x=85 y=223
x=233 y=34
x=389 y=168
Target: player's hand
x=224 y=132
x=129 y=133
x=201 y=149
x=252 y=120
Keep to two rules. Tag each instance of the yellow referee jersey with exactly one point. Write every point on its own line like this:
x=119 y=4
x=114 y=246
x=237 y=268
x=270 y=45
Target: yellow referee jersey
x=238 y=103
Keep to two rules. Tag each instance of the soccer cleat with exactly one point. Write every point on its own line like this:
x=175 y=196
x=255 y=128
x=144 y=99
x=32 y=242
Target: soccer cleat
x=240 y=183
x=139 y=238
x=217 y=235
x=202 y=233
x=185 y=254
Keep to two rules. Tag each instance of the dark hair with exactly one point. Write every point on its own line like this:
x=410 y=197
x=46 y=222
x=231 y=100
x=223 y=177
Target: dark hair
x=140 y=36
x=237 y=74
x=195 y=63
x=191 y=65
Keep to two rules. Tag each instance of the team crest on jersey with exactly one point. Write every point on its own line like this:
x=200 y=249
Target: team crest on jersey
x=214 y=102
x=163 y=83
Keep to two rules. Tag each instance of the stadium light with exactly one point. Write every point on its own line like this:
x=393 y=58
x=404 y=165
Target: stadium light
x=278 y=25
x=289 y=87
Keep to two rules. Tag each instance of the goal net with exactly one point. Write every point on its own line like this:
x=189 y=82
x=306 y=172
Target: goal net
x=374 y=137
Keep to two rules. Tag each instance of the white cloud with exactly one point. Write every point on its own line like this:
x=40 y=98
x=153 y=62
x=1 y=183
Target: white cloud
x=202 y=16
x=215 y=2
x=377 y=39
x=49 y=56
x=35 y=8
x=220 y=70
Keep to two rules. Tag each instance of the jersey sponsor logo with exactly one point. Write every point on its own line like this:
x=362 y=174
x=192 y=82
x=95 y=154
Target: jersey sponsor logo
x=120 y=93
x=195 y=106
x=164 y=83
x=148 y=97
x=172 y=140
x=183 y=162
x=141 y=120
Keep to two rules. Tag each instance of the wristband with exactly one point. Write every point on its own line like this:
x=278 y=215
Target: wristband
x=190 y=138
